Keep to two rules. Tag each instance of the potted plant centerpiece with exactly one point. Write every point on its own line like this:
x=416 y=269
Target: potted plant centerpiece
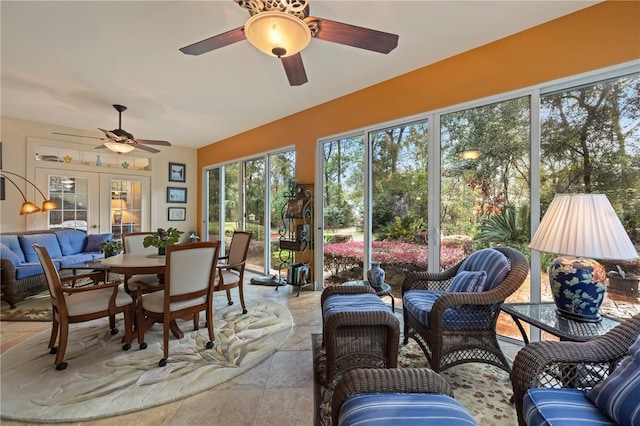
x=162 y=238
x=111 y=247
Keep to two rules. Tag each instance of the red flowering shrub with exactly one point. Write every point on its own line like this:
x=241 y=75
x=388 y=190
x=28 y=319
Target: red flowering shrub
x=406 y=256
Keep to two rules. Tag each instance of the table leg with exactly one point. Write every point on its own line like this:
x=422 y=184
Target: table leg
x=519 y=324
x=173 y=326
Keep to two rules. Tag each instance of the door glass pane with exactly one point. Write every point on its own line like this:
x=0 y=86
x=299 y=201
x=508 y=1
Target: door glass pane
x=71 y=194
x=399 y=201
x=485 y=184
x=590 y=143
x=213 y=206
x=343 y=210
x=126 y=207
x=254 y=209
x=281 y=176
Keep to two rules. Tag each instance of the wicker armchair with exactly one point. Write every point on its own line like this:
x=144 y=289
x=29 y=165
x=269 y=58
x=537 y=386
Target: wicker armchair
x=435 y=393
x=577 y=365
x=462 y=325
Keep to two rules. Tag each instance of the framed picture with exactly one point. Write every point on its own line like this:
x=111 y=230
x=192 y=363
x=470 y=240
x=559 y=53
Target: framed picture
x=176 y=195
x=294 y=208
x=177 y=172
x=177 y=213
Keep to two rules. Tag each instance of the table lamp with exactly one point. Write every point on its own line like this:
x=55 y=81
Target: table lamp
x=580 y=227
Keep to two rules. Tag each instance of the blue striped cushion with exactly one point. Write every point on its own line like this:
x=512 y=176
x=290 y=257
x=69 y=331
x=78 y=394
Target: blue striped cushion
x=420 y=302
x=561 y=407
x=468 y=281
x=403 y=409
x=491 y=261
x=352 y=303
x=619 y=394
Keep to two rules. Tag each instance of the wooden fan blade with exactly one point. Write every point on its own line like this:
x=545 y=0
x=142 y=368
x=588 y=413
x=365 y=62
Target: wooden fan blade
x=146 y=148
x=215 y=42
x=294 y=68
x=110 y=134
x=78 y=136
x=152 y=142
x=351 y=35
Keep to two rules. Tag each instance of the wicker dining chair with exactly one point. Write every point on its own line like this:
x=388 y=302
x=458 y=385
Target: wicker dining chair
x=455 y=327
x=571 y=365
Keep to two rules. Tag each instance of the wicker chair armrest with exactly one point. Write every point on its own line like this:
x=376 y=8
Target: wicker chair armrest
x=404 y=380
x=423 y=280
x=347 y=289
x=538 y=360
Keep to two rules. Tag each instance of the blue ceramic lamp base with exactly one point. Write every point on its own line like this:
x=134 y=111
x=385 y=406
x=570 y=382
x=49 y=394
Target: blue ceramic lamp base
x=578 y=287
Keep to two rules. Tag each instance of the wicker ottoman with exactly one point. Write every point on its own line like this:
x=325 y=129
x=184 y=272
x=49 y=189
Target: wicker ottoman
x=359 y=330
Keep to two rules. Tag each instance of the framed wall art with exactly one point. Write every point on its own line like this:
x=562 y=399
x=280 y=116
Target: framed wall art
x=177 y=213
x=177 y=172
x=176 y=195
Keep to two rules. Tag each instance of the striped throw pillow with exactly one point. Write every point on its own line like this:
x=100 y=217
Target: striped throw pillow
x=619 y=394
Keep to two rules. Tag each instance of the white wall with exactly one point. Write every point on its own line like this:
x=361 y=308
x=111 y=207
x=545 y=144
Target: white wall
x=14 y=133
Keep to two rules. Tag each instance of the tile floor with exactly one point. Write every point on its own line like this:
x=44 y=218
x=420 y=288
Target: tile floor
x=277 y=392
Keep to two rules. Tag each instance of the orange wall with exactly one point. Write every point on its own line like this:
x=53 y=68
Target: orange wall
x=603 y=35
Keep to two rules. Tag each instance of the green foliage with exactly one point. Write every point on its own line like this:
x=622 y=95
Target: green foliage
x=510 y=227
x=111 y=247
x=336 y=217
x=407 y=229
x=162 y=237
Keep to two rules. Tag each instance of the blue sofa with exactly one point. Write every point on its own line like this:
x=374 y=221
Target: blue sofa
x=21 y=273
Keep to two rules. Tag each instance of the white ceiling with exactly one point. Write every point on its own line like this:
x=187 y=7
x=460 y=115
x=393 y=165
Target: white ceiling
x=67 y=62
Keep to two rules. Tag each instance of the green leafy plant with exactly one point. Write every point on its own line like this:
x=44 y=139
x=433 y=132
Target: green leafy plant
x=162 y=237
x=111 y=247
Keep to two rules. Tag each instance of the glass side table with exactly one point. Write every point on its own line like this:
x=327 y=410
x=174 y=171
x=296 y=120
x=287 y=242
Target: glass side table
x=384 y=291
x=545 y=317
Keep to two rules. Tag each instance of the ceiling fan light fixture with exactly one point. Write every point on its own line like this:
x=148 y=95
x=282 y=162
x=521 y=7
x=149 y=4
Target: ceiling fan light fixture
x=277 y=33
x=119 y=147
x=471 y=154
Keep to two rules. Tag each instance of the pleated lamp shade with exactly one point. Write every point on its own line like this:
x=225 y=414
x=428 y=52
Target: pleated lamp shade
x=583 y=225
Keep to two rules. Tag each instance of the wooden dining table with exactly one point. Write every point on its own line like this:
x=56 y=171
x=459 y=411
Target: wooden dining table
x=130 y=264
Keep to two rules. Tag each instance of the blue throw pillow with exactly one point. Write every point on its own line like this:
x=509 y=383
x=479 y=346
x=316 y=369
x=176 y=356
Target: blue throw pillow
x=6 y=253
x=12 y=243
x=618 y=394
x=71 y=241
x=467 y=281
x=94 y=240
x=494 y=263
x=49 y=241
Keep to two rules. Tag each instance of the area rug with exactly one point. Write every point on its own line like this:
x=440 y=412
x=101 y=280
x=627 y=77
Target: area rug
x=102 y=380
x=33 y=308
x=483 y=389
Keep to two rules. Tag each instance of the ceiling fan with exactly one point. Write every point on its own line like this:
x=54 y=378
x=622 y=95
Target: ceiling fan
x=121 y=141
x=282 y=28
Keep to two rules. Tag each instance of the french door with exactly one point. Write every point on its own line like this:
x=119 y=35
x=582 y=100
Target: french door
x=94 y=202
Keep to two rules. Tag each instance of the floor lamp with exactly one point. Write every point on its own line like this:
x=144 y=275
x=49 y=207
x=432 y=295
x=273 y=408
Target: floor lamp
x=27 y=206
x=580 y=227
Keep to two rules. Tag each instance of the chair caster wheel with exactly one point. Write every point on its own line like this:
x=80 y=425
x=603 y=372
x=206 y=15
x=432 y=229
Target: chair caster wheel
x=244 y=311
x=196 y=328
x=53 y=351
x=126 y=347
x=61 y=366
x=162 y=362
x=209 y=345
x=230 y=303
x=114 y=331
x=143 y=346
